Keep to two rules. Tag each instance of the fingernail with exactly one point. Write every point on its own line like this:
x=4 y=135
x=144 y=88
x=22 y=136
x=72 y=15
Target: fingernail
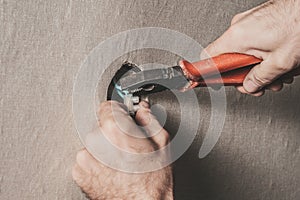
x=250 y=86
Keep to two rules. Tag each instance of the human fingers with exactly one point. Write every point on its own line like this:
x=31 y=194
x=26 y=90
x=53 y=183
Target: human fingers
x=266 y=73
x=276 y=86
x=121 y=130
x=256 y=94
x=148 y=121
x=87 y=162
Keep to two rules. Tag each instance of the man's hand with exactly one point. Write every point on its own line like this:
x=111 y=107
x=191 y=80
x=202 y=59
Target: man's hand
x=271 y=32
x=101 y=182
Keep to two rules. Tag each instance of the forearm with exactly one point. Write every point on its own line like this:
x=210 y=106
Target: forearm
x=159 y=186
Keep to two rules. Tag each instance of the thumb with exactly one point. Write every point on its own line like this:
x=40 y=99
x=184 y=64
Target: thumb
x=261 y=75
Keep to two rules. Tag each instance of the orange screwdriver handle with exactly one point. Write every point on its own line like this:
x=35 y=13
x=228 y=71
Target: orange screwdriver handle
x=222 y=63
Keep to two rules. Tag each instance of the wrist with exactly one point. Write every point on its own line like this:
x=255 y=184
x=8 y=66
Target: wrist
x=162 y=186
x=166 y=194
x=157 y=194
x=169 y=195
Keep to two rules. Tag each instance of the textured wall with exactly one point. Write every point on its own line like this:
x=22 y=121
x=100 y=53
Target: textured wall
x=42 y=46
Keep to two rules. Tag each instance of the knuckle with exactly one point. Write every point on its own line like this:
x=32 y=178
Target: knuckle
x=104 y=107
x=163 y=138
x=109 y=124
x=105 y=104
x=261 y=80
x=82 y=156
x=282 y=67
x=108 y=110
x=236 y=31
x=235 y=18
x=204 y=54
x=208 y=50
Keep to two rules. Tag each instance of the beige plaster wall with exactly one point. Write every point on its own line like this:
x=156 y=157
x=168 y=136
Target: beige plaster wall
x=42 y=46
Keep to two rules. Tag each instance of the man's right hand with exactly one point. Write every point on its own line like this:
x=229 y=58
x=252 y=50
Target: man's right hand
x=271 y=32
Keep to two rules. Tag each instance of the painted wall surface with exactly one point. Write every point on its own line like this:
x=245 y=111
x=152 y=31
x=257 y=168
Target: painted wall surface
x=43 y=43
